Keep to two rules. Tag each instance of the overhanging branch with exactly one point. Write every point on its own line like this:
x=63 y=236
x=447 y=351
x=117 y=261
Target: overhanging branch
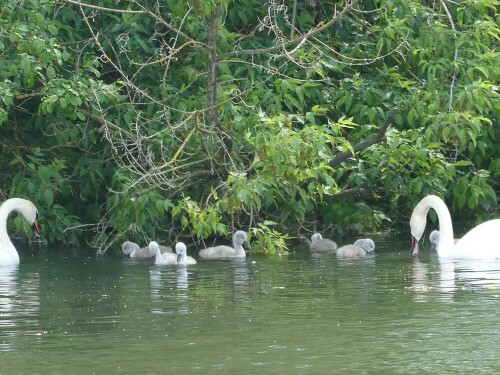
x=294 y=42
x=377 y=138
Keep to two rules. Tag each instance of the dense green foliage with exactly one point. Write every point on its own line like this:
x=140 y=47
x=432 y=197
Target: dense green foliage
x=191 y=118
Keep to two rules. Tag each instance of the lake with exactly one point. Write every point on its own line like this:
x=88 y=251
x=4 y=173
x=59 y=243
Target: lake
x=62 y=311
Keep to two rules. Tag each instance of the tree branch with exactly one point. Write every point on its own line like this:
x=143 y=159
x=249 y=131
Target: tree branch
x=144 y=11
x=97 y=7
x=455 y=54
x=379 y=137
x=294 y=42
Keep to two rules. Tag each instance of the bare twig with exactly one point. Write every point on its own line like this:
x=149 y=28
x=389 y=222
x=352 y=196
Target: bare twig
x=455 y=54
x=291 y=43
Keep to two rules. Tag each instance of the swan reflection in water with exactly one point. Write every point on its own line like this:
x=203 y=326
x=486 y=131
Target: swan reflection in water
x=453 y=275
x=182 y=289
x=241 y=280
x=420 y=280
x=470 y=273
x=169 y=289
x=19 y=305
x=8 y=294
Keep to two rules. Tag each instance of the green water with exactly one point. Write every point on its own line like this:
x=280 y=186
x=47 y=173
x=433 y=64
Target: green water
x=64 y=312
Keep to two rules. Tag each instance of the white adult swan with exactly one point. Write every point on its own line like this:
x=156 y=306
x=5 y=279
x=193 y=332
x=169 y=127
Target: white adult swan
x=134 y=251
x=361 y=248
x=8 y=253
x=322 y=245
x=481 y=242
x=161 y=258
x=182 y=258
x=224 y=252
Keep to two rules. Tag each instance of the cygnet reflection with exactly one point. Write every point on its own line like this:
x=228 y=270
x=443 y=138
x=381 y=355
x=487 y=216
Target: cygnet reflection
x=241 y=280
x=169 y=290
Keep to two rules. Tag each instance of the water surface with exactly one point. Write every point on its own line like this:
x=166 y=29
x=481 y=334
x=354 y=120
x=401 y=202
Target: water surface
x=64 y=312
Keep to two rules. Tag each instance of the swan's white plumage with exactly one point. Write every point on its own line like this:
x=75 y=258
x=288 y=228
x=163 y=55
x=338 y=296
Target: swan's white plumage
x=481 y=242
x=182 y=258
x=366 y=244
x=161 y=258
x=320 y=244
x=134 y=251
x=434 y=239
x=8 y=253
x=360 y=248
x=227 y=252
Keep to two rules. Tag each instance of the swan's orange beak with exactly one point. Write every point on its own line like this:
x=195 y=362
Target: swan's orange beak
x=414 y=246
x=36 y=228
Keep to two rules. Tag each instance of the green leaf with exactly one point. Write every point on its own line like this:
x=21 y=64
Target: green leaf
x=372 y=113
x=463 y=163
x=300 y=93
x=310 y=117
x=52 y=29
x=75 y=100
x=168 y=205
x=48 y=196
x=292 y=102
x=184 y=222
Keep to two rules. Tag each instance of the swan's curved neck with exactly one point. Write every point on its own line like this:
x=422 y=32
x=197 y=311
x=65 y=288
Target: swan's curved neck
x=239 y=249
x=181 y=259
x=13 y=204
x=446 y=242
x=5 y=209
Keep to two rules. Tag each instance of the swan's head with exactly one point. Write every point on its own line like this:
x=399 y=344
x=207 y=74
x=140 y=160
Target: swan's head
x=434 y=239
x=240 y=238
x=30 y=214
x=181 y=251
x=418 y=222
x=36 y=226
x=128 y=247
x=366 y=244
x=154 y=248
x=315 y=237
